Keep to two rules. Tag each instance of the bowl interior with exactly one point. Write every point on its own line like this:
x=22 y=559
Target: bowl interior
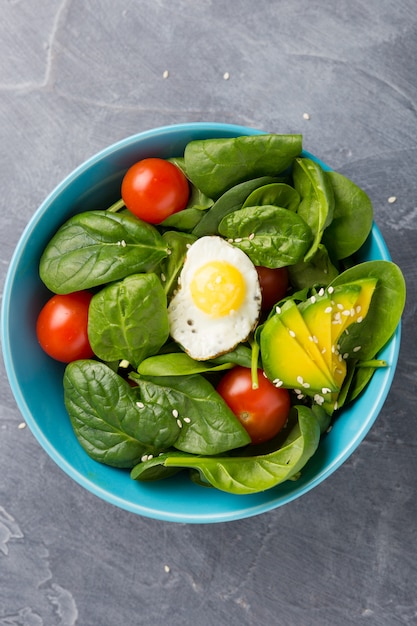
x=36 y=380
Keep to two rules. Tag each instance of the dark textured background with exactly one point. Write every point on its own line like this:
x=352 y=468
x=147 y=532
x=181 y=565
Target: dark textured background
x=74 y=77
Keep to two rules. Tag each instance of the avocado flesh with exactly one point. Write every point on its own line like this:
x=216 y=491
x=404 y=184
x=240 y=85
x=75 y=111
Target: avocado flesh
x=292 y=318
x=285 y=360
x=307 y=358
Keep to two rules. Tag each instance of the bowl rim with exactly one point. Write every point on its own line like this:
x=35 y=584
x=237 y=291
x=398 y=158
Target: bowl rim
x=391 y=351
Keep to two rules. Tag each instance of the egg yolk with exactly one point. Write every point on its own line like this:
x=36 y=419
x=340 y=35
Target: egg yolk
x=218 y=288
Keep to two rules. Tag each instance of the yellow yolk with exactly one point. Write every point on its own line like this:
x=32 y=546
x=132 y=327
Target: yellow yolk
x=218 y=288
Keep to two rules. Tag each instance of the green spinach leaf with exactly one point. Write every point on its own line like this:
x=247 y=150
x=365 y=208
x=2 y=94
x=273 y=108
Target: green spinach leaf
x=384 y=313
x=230 y=201
x=177 y=364
x=171 y=266
x=352 y=218
x=107 y=420
x=317 y=199
x=97 y=247
x=215 y=165
x=250 y=474
x=208 y=426
x=318 y=271
x=275 y=194
x=128 y=319
x=269 y=235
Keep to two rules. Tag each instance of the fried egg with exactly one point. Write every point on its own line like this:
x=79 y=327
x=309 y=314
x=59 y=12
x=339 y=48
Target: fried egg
x=217 y=303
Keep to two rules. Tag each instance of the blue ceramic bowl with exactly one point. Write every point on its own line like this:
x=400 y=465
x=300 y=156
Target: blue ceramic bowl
x=36 y=380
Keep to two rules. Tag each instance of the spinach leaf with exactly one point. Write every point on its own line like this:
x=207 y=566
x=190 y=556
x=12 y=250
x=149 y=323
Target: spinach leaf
x=317 y=199
x=230 y=201
x=269 y=235
x=107 y=420
x=96 y=247
x=384 y=313
x=249 y=474
x=128 y=319
x=215 y=165
x=177 y=364
x=277 y=194
x=208 y=426
x=318 y=271
x=352 y=218
x=170 y=267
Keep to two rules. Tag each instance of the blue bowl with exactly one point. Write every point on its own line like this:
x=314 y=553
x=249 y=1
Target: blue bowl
x=36 y=380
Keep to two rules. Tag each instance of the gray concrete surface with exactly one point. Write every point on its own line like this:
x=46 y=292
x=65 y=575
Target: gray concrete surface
x=76 y=75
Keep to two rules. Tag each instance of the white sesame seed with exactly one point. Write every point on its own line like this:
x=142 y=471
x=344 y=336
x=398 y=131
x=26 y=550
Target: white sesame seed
x=318 y=399
x=169 y=251
x=165 y=74
x=226 y=76
x=315 y=339
x=251 y=236
x=175 y=413
x=306 y=116
x=328 y=309
x=163 y=278
x=150 y=456
x=186 y=420
x=321 y=292
x=358 y=308
x=277 y=382
x=357 y=348
x=300 y=396
x=167 y=569
x=310 y=338
x=238 y=239
x=323 y=350
x=340 y=306
x=325 y=390
x=359 y=319
x=313 y=299
x=346 y=313
x=306 y=385
x=144 y=458
x=330 y=289
x=21 y=425
x=278 y=310
x=346 y=355
x=123 y=243
x=392 y=199
x=292 y=333
x=124 y=363
x=179 y=423
x=300 y=380
x=140 y=405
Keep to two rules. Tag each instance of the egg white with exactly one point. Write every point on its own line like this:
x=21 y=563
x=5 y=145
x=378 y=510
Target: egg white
x=203 y=336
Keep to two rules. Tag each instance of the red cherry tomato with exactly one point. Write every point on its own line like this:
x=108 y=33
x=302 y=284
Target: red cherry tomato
x=274 y=284
x=263 y=411
x=153 y=189
x=61 y=327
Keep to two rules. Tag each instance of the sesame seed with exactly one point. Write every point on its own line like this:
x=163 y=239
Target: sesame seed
x=140 y=405
x=323 y=351
x=167 y=569
x=300 y=380
x=315 y=339
x=306 y=385
x=238 y=239
x=321 y=292
x=165 y=74
x=357 y=348
x=330 y=289
x=292 y=333
x=300 y=396
x=175 y=413
x=226 y=76
x=123 y=243
x=318 y=399
x=124 y=363
x=328 y=309
x=278 y=310
x=359 y=319
x=358 y=308
x=325 y=390
x=251 y=236
x=169 y=251
x=347 y=313
x=340 y=306
x=346 y=355
x=150 y=456
x=310 y=338
x=163 y=278
x=313 y=299
x=306 y=116
x=277 y=382
x=186 y=420
x=392 y=199
x=179 y=423
x=22 y=425
x=144 y=458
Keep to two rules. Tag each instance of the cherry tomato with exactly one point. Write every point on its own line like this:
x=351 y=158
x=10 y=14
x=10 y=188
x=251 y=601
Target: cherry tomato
x=153 y=189
x=274 y=284
x=263 y=411
x=61 y=327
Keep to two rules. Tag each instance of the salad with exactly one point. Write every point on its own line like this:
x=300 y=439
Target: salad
x=215 y=319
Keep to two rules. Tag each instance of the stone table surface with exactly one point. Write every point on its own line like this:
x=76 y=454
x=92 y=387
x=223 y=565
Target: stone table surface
x=76 y=76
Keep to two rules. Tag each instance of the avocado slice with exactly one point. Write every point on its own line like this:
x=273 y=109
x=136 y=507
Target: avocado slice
x=291 y=317
x=286 y=362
